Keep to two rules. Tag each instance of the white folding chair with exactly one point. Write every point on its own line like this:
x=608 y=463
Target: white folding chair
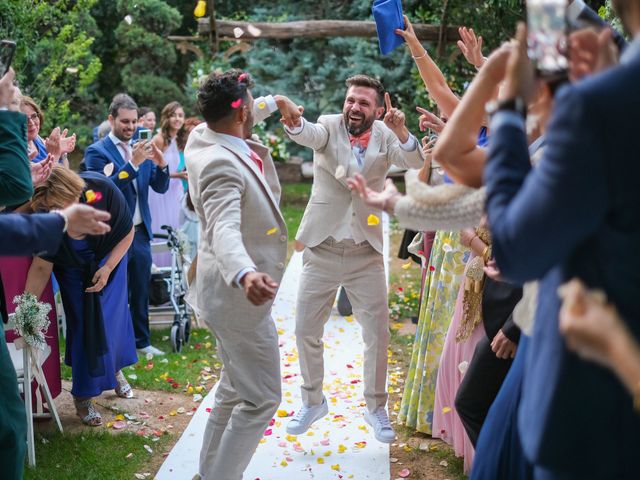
x=28 y=364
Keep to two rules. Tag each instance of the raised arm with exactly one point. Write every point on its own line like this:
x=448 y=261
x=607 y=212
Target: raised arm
x=457 y=148
x=433 y=79
x=307 y=134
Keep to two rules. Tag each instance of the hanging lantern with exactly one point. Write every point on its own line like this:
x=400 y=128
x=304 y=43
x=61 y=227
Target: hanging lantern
x=201 y=9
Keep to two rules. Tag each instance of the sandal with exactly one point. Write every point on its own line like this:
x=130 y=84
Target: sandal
x=123 y=390
x=92 y=418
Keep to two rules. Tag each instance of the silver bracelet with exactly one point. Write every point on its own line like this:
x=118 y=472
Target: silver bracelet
x=420 y=56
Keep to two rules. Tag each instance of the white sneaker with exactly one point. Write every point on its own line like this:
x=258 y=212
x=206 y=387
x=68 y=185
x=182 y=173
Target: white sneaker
x=150 y=349
x=306 y=416
x=379 y=421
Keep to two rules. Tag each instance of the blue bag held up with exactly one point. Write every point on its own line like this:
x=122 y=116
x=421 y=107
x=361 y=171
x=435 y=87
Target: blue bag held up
x=388 y=17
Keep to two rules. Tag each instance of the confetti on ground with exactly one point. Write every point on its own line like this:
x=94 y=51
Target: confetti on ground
x=404 y=473
x=337 y=446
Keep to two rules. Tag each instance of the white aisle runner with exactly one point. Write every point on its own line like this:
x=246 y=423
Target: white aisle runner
x=339 y=446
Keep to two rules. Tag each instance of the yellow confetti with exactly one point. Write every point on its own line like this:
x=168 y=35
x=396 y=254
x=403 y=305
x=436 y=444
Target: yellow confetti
x=336 y=467
x=109 y=424
x=406 y=266
x=320 y=460
x=199 y=389
x=282 y=413
x=190 y=390
x=291 y=438
x=262 y=105
x=446 y=409
x=361 y=444
x=281 y=331
x=327 y=453
x=284 y=463
x=272 y=231
x=122 y=175
x=342 y=448
x=263 y=440
x=407 y=448
x=120 y=417
x=372 y=220
x=310 y=434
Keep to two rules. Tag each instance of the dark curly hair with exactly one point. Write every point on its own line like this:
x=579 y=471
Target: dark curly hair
x=219 y=90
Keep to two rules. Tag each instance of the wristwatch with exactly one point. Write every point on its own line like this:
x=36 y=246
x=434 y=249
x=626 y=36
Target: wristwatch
x=516 y=105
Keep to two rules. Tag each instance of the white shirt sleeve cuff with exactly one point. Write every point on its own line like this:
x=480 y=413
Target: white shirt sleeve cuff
x=241 y=274
x=410 y=144
x=296 y=130
x=272 y=106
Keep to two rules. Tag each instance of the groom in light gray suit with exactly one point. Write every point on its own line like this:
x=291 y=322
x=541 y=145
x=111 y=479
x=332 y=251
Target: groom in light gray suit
x=235 y=192
x=342 y=240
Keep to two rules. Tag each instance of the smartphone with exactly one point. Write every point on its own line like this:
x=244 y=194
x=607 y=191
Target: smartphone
x=7 y=49
x=547 y=40
x=144 y=134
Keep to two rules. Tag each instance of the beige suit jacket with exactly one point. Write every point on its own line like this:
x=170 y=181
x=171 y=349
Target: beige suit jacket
x=241 y=225
x=330 y=195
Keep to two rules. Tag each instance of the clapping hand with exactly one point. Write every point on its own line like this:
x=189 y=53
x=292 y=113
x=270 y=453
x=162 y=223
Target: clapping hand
x=40 y=171
x=395 y=120
x=471 y=47
x=591 y=52
x=58 y=144
x=430 y=121
x=385 y=200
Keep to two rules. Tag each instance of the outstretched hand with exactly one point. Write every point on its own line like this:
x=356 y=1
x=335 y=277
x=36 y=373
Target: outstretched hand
x=291 y=113
x=385 y=200
x=40 y=171
x=471 y=47
x=395 y=120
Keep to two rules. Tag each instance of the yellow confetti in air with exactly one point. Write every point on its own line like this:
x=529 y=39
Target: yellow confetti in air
x=122 y=175
x=327 y=453
x=282 y=413
x=446 y=409
x=406 y=266
x=342 y=448
x=361 y=444
x=336 y=467
x=320 y=460
x=284 y=463
x=372 y=220
x=272 y=231
x=262 y=105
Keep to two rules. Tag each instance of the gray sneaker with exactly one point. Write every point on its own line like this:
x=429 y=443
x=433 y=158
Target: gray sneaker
x=379 y=421
x=306 y=416
x=150 y=349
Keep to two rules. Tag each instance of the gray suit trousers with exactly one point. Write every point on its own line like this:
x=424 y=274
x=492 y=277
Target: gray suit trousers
x=360 y=269
x=246 y=400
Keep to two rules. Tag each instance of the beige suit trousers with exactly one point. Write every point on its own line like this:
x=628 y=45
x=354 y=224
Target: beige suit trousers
x=360 y=269
x=246 y=400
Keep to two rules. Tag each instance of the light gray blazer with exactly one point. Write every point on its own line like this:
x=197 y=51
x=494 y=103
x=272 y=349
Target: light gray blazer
x=241 y=226
x=330 y=195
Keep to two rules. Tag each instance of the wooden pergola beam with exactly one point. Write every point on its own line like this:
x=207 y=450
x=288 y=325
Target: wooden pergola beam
x=226 y=29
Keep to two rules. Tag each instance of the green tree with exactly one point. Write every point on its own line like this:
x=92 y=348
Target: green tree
x=54 y=61
x=145 y=56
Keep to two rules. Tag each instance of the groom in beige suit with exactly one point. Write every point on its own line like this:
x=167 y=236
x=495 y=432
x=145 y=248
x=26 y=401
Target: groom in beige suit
x=342 y=239
x=243 y=247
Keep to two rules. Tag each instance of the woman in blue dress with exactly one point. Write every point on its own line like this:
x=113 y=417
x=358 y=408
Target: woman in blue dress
x=92 y=273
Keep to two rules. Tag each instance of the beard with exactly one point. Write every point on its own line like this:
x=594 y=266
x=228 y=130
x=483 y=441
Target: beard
x=357 y=123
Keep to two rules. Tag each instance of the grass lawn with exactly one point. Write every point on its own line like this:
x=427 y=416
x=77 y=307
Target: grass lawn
x=197 y=364
x=93 y=456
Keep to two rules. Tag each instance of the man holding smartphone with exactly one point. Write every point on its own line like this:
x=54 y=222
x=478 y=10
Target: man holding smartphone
x=133 y=168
